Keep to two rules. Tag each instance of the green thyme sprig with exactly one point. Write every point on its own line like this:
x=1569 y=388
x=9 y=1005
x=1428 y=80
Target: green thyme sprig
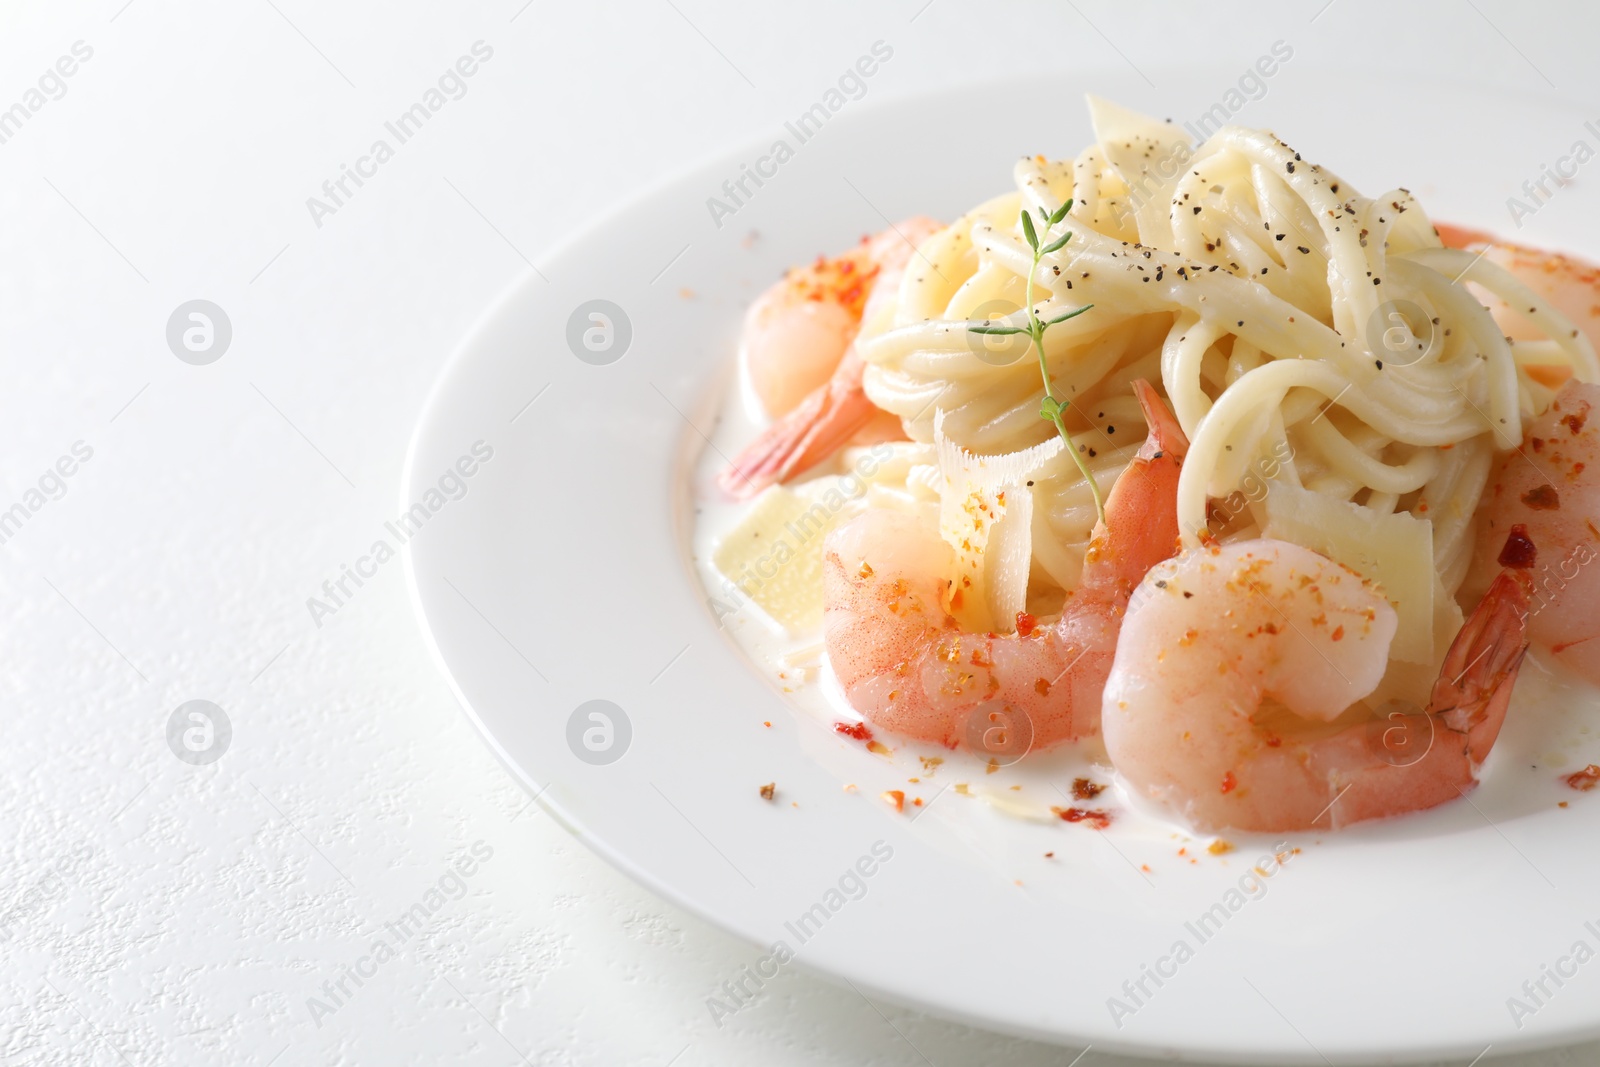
x=1050 y=408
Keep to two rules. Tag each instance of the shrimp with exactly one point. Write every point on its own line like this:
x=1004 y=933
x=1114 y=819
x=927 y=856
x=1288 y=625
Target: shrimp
x=798 y=353
x=1571 y=285
x=1234 y=698
x=905 y=664
x=823 y=423
x=1548 y=492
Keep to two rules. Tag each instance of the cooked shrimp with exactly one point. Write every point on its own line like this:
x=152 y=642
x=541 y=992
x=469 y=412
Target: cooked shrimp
x=1549 y=489
x=1571 y=285
x=798 y=353
x=905 y=664
x=823 y=423
x=1234 y=699
x=796 y=332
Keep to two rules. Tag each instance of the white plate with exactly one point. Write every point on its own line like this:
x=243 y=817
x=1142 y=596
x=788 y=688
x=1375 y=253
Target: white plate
x=563 y=575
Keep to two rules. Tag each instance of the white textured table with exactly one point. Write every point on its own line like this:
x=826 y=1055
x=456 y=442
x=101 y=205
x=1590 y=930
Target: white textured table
x=158 y=911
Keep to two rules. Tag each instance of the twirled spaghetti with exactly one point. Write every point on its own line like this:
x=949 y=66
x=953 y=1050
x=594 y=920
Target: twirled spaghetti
x=1276 y=306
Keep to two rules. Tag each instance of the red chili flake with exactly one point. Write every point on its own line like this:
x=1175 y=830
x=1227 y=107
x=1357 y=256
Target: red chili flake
x=1338 y=633
x=1229 y=782
x=1025 y=623
x=1575 y=422
x=1084 y=789
x=1585 y=779
x=1542 y=498
x=1096 y=818
x=857 y=730
x=1519 y=551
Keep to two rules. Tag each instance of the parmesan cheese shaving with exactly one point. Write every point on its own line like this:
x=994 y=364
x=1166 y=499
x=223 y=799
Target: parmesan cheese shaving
x=986 y=516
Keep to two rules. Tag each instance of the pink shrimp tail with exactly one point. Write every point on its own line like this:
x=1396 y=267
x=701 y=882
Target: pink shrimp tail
x=825 y=420
x=1141 y=525
x=1463 y=720
x=1474 y=686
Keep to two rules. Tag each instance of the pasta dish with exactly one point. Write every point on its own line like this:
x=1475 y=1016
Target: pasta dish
x=1193 y=452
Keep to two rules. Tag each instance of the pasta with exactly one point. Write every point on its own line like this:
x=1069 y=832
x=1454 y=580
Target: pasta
x=1276 y=305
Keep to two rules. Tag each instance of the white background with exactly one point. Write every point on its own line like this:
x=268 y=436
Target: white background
x=194 y=910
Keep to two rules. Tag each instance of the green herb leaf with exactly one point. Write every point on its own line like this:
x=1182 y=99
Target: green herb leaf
x=1029 y=232
x=1069 y=315
x=997 y=328
x=1049 y=408
x=1057 y=244
x=1061 y=212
